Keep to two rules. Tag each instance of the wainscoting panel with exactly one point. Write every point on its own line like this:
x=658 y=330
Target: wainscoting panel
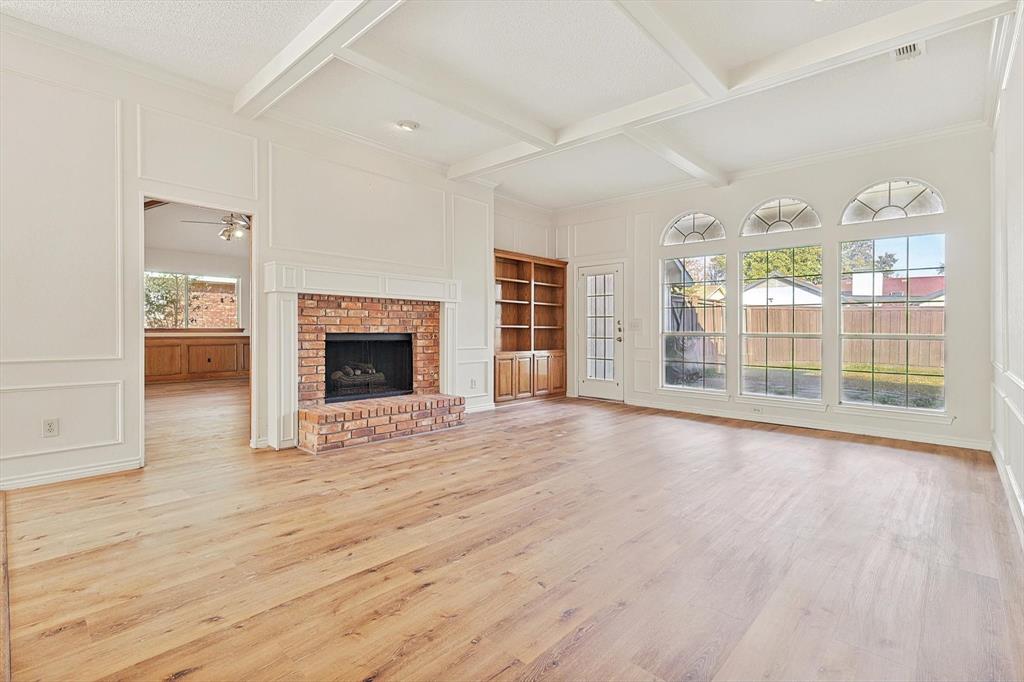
x=91 y=415
x=60 y=223
x=599 y=238
x=190 y=153
x=472 y=259
x=324 y=207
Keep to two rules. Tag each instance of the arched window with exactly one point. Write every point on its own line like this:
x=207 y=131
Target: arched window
x=896 y=198
x=693 y=227
x=780 y=215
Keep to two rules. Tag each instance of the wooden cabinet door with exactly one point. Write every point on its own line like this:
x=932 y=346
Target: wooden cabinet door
x=163 y=360
x=220 y=357
x=541 y=375
x=245 y=356
x=504 y=378
x=556 y=372
x=524 y=375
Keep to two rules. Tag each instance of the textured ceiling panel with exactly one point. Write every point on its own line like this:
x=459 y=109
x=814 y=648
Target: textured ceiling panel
x=218 y=42
x=610 y=167
x=729 y=34
x=345 y=98
x=562 y=61
x=871 y=101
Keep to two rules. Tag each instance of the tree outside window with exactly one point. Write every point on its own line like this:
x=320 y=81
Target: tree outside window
x=180 y=301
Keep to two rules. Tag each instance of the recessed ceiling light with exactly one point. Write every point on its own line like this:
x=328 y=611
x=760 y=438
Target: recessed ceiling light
x=407 y=126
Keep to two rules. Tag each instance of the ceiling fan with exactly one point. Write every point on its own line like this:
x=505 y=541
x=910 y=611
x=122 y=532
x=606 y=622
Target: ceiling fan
x=235 y=226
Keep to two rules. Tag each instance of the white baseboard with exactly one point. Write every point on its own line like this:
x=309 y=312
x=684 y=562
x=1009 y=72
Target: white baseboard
x=259 y=444
x=1014 y=494
x=70 y=473
x=785 y=420
x=481 y=407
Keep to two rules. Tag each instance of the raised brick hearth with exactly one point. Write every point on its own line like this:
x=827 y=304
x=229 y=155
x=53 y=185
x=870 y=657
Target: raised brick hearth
x=323 y=428
x=322 y=314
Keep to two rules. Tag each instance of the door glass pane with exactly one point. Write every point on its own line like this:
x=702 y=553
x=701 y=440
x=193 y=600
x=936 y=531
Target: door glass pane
x=600 y=325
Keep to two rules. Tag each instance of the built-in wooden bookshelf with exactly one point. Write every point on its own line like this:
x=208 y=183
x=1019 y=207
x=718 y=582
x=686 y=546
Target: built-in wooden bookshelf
x=529 y=333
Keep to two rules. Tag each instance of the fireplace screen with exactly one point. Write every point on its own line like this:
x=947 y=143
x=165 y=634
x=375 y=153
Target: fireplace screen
x=368 y=366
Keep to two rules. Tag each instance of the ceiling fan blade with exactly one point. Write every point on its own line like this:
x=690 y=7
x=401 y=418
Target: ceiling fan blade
x=203 y=222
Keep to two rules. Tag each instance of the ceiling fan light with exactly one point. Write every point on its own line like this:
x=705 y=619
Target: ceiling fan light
x=225 y=234
x=238 y=232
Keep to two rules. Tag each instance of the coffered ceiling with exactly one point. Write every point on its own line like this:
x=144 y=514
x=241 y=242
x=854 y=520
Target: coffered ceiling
x=565 y=102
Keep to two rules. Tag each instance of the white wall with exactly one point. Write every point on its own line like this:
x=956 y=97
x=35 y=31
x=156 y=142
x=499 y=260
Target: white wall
x=522 y=227
x=86 y=136
x=628 y=230
x=1008 y=288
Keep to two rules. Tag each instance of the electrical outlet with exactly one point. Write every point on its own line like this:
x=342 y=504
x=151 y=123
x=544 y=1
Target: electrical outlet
x=758 y=410
x=472 y=383
x=51 y=427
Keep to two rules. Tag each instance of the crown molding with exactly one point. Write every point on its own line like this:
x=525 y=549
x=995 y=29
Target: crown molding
x=341 y=134
x=102 y=55
x=524 y=203
x=860 y=149
x=691 y=183
x=798 y=162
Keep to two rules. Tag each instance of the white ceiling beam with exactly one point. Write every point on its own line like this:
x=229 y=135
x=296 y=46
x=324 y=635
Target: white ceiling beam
x=496 y=159
x=614 y=122
x=448 y=92
x=332 y=30
x=631 y=115
x=918 y=22
x=651 y=19
x=688 y=162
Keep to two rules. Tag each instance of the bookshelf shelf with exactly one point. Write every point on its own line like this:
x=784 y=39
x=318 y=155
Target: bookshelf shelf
x=529 y=334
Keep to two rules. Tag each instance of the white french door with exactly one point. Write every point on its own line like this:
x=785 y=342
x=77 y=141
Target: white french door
x=599 y=331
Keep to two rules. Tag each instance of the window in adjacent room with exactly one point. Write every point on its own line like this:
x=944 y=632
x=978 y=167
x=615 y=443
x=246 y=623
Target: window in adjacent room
x=180 y=301
x=693 y=322
x=781 y=343
x=893 y=298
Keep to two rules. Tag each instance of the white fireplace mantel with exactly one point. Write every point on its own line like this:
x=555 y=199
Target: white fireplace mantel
x=282 y=284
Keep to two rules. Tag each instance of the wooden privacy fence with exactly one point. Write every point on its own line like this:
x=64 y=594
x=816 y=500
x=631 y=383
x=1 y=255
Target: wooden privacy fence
x=926 y=354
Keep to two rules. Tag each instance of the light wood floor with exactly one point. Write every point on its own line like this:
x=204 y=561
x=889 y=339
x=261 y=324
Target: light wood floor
x=564 y=540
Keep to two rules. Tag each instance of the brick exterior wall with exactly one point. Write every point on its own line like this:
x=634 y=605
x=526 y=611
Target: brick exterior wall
x=215 y=305
x=321 y=314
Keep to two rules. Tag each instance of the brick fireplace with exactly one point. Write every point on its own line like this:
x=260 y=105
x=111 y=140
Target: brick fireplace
x=325 y=425
x=307 y=302
x=324 y=314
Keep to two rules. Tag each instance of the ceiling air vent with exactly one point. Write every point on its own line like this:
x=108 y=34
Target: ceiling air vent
x=908 y=51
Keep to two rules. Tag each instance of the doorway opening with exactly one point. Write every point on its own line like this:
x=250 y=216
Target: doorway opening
x=197 y=317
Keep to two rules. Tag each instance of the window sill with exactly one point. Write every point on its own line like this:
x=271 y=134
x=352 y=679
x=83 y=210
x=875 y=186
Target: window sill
x=196 y=330
x=721 y=396
x=793 y=403
x=929 y=417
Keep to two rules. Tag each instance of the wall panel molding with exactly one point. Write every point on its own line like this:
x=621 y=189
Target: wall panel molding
x=362 y=183
x=117 y=299
x=196 y=142
x=116 y=406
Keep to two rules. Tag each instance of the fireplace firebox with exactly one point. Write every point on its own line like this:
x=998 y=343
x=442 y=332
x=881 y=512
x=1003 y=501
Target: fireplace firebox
x=362 y=366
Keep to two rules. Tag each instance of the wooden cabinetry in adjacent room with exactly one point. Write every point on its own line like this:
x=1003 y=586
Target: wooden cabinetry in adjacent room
x=196 y=357
x=529 y=334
